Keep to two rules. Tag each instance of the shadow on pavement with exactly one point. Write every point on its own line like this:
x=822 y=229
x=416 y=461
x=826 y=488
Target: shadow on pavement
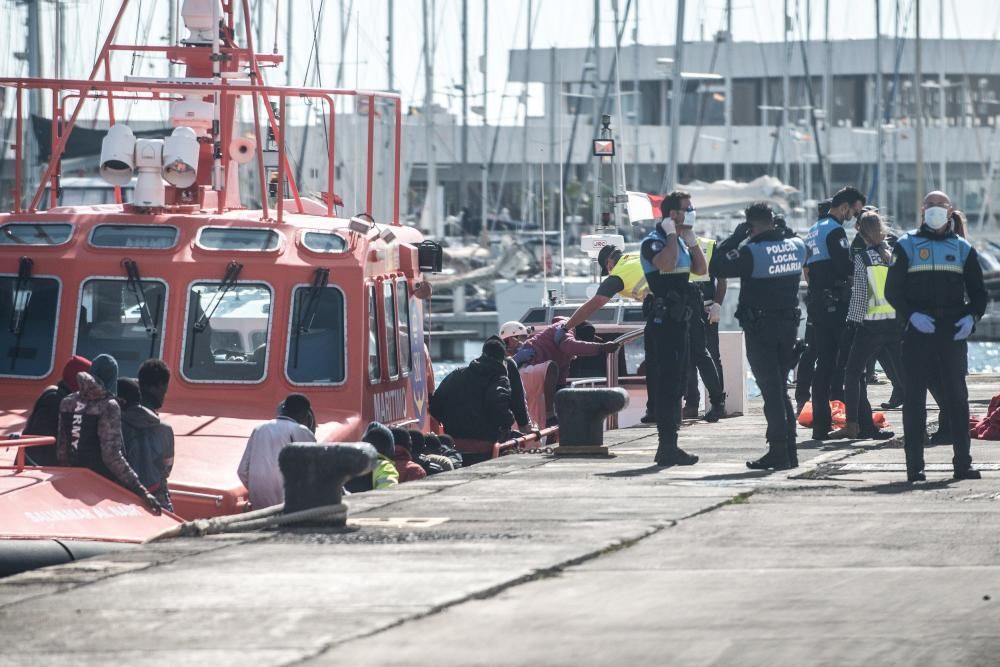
x=903 y=486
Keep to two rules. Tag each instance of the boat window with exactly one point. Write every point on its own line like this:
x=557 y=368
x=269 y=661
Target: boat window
x=29 y=308
x=111 y=321
x=535 y=316
x=235 y=238
x=324 y=242
x=374 y=358
x=226 y=333
x=159 y=237
x=316 y=350
x=403 y=315
x=389 y=314
x=35 y=233
x=633 y=315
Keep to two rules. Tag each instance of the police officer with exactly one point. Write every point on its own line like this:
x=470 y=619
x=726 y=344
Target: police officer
x=669 y=254
x=932 y=272
x=626 y=278
x=770 y=268
x=807 y=361
x=828 y=271
x=706 y=294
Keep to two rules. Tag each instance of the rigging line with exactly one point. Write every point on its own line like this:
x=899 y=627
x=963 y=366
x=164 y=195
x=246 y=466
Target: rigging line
x=807 y=78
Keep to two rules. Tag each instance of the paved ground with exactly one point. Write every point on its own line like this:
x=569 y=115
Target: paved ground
x=530 y=560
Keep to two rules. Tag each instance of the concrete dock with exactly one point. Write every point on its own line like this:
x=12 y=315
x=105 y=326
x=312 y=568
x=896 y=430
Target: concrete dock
x=532 y=560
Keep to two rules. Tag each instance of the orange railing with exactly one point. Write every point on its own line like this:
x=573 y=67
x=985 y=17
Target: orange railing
x=22 y=444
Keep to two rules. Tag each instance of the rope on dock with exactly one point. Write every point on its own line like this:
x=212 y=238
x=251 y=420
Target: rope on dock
x=269 y=517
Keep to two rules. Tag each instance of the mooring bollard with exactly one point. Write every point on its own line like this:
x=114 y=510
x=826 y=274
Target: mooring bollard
x=315 y=474
x=581 y=419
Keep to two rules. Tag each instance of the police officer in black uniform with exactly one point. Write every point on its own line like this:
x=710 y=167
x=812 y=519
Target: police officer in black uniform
x=933 y=272
x=769 y=266
x=829 y=270
x=669 y=254
x=807 y=361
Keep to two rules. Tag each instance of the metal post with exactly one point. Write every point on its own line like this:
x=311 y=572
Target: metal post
x=676 y=98
x=527 y=188
x=919 y=115
x=727 y=173
x=288 y=44
x=551 y=111
x=34 y=48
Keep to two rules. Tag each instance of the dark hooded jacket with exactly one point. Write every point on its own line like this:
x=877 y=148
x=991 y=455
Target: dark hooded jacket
x=149 y=445
x=475 y=402
x=44 y=420
x=90 y=434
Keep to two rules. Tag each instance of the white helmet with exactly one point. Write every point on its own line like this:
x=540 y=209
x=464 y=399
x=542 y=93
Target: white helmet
x=513 y=328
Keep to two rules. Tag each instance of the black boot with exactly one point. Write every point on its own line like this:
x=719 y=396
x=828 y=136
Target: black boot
x=672 y=455
x=690 y=412
x=793 y=455
x=718 y=410
x=968 y=473
x=775 y=459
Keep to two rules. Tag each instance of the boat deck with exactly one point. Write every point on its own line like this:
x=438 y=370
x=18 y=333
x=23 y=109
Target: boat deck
x=532 y=560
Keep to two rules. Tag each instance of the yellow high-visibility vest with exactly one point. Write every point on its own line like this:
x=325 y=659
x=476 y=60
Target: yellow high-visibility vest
x=629 y=270
x=707 y=247
x=879 y=307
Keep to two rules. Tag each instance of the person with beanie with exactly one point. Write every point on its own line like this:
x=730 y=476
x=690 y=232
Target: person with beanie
x=258 y=468
x=90 y=429
x=44 y=418
x=474 y=403
x=154 y=378
x=149 y=444
x=408 y=468
x=432 y=463
x=384 y=474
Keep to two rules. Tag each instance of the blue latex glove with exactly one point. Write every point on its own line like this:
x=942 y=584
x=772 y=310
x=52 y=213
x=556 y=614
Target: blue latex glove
x=964 y=327
x=524 y=355
x=560 y=334
x=922 y=322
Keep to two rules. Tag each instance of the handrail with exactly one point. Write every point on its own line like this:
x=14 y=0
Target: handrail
x=23 y=443
x=612 y=367
x=515 y=443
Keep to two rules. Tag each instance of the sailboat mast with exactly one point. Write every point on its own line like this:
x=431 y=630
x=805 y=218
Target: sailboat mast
x=391 y=68
x=636 y=99
x=676 y=96
x=727 y=110
x=942 y=109
x=485 y=169
x=785 y=168
x=462 y=186
x=879 y=124
x=919 y=113
x=596 y=164
x=430 y=201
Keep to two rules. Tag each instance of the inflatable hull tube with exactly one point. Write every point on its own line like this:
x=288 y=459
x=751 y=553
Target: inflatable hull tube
x=18 y=556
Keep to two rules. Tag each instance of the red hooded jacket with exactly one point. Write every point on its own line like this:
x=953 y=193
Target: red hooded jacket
x=408 y=469
x=543 y=345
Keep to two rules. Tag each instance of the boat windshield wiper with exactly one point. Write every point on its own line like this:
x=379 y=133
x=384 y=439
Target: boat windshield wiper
x=19 y=306
x=228 y=282
x=135 y=284
x=22 y=296
x=307 y=310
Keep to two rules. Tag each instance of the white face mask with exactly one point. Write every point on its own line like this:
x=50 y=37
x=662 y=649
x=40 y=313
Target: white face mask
x=689 y=218
x=935 y=217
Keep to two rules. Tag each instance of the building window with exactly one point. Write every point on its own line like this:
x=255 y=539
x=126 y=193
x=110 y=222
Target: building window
x=226 y=335
x=123 y=319
x=29 y=308
x=316 y=350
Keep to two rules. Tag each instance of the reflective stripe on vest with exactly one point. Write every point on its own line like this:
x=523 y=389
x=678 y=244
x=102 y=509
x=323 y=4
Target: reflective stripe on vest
x=816 y=240
x=707 y=247
x=629 y=270
x=947 y=254
x=683 y=255
x=878 y=306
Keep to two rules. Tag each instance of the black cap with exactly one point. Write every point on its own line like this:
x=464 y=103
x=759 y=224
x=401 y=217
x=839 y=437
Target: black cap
x=603 y=256
x=494 y=349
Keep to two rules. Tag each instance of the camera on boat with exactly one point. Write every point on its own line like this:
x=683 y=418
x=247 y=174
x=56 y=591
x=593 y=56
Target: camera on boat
x=174 y=159
x=118 y=155
x=180 y=157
